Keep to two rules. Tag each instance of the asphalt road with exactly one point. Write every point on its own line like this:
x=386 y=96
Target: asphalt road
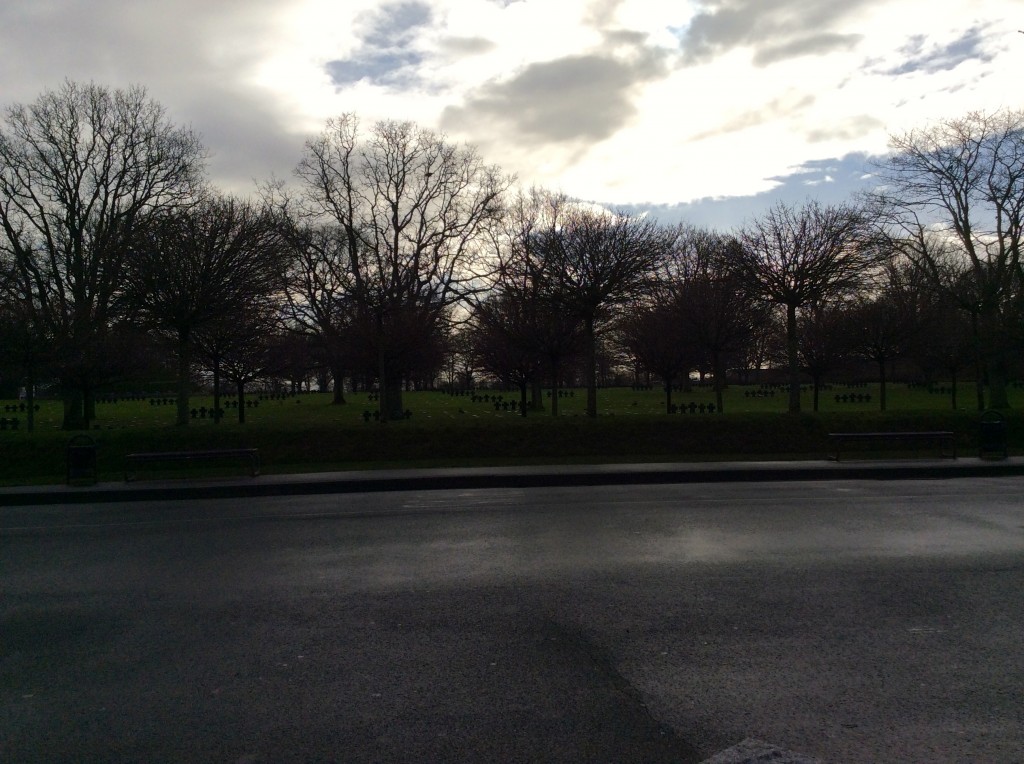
x=851 y=621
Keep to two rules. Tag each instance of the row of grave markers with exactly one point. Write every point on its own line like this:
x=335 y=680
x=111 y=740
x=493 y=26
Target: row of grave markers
x=854 y=398
x=13 y=408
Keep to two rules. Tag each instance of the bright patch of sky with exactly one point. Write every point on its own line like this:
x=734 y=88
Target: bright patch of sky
x=704 y=110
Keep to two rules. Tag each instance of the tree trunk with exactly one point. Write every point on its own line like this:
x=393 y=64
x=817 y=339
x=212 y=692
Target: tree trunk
x=389 y=390
x=952 y=393
x=391 y=399
x=30 y=401
x=881 y=385
x=979 y=377
x=998 y=398
x=537 y=395
x=668 y=393
x=590 y=341
x=88 y=404
x=817 y=388
x=554 y=389
x=184 y=374
x=793 y=352
x=522 y=398
x=216 y=389
x=338 y=391
x=716 y=362
x=74 y=412
x=240 y=389
x=323 y=379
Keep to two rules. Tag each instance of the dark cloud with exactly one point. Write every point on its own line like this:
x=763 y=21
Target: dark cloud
x=247 y=141
x=920 y=57
x=467 y=46
x=776 y=29
x=600 y=13
x=177 y=52
x=848 y=130
x=386 y=55
x=810 y=45
x=627 y=37
x=586 y=97
x=779 y=107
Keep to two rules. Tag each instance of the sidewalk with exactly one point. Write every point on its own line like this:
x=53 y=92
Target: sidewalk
x=510 y=477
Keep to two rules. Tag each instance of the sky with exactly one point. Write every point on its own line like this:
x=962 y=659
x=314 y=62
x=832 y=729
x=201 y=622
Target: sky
x=703 y=111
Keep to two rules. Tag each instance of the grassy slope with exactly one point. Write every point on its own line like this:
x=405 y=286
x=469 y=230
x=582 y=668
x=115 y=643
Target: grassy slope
x=307 y=433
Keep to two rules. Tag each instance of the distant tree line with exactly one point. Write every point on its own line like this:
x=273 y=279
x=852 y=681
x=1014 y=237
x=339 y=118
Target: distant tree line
x=396 y=259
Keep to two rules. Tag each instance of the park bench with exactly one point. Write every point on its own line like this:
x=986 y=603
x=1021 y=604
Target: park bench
x=132 y=461
x=946 y=441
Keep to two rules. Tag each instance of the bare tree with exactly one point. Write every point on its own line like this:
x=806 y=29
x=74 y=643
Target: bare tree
x=78 y=168
x=944 y=343
x=952 y=201
x=878 y=329
x=794 y=257
x=192 y=267
x=413 y=210
x=598 y=262
x=504 y=340
x=652 y=334
x=823 y=341
x=883 y=326
x=319 y=300
x=237 y=348
x=537 y=326
x=712 y=304
x=26 y=349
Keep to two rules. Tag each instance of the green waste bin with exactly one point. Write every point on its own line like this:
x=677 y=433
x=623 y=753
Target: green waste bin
x=81 y=460
x=992 y=436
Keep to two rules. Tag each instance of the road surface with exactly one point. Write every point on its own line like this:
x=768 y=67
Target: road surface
x=851 y=621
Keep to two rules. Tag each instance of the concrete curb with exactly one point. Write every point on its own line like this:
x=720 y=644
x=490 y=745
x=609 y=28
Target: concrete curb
x=509 y=477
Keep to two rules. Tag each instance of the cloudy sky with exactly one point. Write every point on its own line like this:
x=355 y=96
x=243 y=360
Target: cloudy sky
x=702 y=110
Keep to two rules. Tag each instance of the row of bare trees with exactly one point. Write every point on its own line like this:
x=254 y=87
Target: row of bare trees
x=925 y=267
x=394 y=250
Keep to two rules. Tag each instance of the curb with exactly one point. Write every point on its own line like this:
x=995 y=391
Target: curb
x=508 y=477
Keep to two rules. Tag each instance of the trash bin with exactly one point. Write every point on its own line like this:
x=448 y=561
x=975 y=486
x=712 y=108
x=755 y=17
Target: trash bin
x=82 y=460
x=992 y=436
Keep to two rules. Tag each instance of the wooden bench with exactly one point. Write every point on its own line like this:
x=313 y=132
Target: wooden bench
x=133 y=460
x=946 y=441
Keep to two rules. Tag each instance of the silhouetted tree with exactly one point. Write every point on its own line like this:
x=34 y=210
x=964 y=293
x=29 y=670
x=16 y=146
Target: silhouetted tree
x=716 y=310
x=236 y=348
x=878 y=327
x=530 y=284
x=823 y=341
x=794 y=257
x=653 y=335
x=942 y=344
x=505 y=338
x=195 y=266
x=413 y=210
x=951 y=198
x=79 y=167
x=597 y=262
x=26 y=352
x=319 y=299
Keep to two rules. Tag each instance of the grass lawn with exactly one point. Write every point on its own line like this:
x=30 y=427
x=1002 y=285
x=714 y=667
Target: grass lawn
x=307 y=433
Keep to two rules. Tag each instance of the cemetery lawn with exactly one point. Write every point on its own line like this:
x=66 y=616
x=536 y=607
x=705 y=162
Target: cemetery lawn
x=305 y=433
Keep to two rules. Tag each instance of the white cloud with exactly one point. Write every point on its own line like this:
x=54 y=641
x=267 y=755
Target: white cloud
x=623 y=101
